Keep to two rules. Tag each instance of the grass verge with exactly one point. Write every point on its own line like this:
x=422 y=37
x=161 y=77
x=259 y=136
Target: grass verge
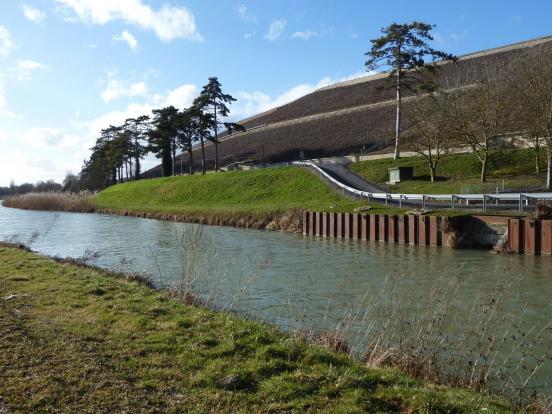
x=511 y=168
x=257 y=191
x=77 y=339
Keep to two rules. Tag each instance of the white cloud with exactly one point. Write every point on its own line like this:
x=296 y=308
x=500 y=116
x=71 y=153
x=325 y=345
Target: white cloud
x=276 y=29
x=305 y=35
x=459 y=35
x=168 y=23
x=246 y=15
x=92 y=128
x=182 y=97
x=4 y=111
x=23 y=69
x=127 y=37
x=6 y=41
x=116 y=89
x=249 y=35
x=252 y=103
x=439 y=39
x=33 y=14
x=57 y=138
x=32 y=167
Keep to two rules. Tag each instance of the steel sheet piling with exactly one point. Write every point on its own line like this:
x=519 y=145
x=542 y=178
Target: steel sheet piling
x=374 y=226
x=529 y=236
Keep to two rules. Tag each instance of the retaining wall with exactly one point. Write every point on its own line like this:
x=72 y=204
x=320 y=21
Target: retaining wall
x=516 y=235
x=530 y=236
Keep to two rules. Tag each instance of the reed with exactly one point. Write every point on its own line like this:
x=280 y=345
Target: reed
x=483 y=344
x=53 y=201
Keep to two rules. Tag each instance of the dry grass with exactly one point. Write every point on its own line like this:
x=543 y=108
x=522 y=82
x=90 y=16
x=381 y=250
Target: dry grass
x=53 y=201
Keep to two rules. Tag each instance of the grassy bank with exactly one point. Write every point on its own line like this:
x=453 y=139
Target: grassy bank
x=272 y=198
x=257 y=191
x=76 y=339
x=456 y=173
x=257 y=198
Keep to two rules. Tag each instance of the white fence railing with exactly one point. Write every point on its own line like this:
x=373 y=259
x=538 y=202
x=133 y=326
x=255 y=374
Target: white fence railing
x=519 y=199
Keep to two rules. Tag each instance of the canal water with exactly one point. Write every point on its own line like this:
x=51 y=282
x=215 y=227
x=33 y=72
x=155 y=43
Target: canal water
x=366 y=290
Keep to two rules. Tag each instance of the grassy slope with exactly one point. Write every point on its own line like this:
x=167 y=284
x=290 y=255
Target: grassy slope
x=80 y=340
x=259 y=191
x=515 y=167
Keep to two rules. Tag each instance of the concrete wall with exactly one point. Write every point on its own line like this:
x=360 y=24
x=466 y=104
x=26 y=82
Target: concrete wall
x=517 y=235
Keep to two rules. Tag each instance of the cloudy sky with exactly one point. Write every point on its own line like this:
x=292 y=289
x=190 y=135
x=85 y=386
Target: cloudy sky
x=69 y=68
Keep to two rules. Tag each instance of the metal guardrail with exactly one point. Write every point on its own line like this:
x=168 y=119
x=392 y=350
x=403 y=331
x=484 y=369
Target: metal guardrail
x=520 y=199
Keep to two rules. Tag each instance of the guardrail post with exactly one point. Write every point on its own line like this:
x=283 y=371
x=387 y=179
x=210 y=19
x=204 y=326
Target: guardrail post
x=484 y=203
x=423 y=201
x=521 y=203
x=400 y=200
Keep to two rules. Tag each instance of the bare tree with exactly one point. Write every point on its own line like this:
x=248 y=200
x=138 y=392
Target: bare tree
x=480 y=115
x=533 y=93
x=429 y=134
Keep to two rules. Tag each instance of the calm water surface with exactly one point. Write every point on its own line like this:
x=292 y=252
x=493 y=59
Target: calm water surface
x=292 y=279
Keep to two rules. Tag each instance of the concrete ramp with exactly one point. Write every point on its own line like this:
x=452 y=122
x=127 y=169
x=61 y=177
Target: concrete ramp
x=337 y=168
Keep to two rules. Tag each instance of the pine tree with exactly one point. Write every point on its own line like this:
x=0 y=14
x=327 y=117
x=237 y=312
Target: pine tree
x=216 y=101
x=402 y=51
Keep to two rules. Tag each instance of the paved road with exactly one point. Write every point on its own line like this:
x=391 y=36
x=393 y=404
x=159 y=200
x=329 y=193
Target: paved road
x=337 y=168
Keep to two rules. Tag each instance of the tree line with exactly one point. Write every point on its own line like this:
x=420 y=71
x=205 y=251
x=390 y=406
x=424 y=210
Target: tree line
x=119 y=150
x=38 y=187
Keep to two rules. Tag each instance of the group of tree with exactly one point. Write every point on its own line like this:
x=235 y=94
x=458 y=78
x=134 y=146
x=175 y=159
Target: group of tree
x=39 y=187
x=118 y=151
x=510 y=100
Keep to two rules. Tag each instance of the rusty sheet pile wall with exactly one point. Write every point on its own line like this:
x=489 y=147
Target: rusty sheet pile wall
x=524 y=235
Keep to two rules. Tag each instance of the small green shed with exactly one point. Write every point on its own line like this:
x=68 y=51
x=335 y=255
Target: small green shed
x=398 y=174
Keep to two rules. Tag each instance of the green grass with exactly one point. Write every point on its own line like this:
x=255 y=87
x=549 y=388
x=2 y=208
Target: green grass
x=252 y=192
x=77 y=339
x=513 y=168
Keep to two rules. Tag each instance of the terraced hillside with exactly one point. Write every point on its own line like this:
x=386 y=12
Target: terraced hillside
x=341 y=118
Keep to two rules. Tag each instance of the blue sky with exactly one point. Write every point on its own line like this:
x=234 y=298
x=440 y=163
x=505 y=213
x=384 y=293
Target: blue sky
x=70 y=67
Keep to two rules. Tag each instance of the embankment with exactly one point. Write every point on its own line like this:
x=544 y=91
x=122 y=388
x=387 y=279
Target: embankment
x=79 y=339
x=270 y=199
x=289 y=221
